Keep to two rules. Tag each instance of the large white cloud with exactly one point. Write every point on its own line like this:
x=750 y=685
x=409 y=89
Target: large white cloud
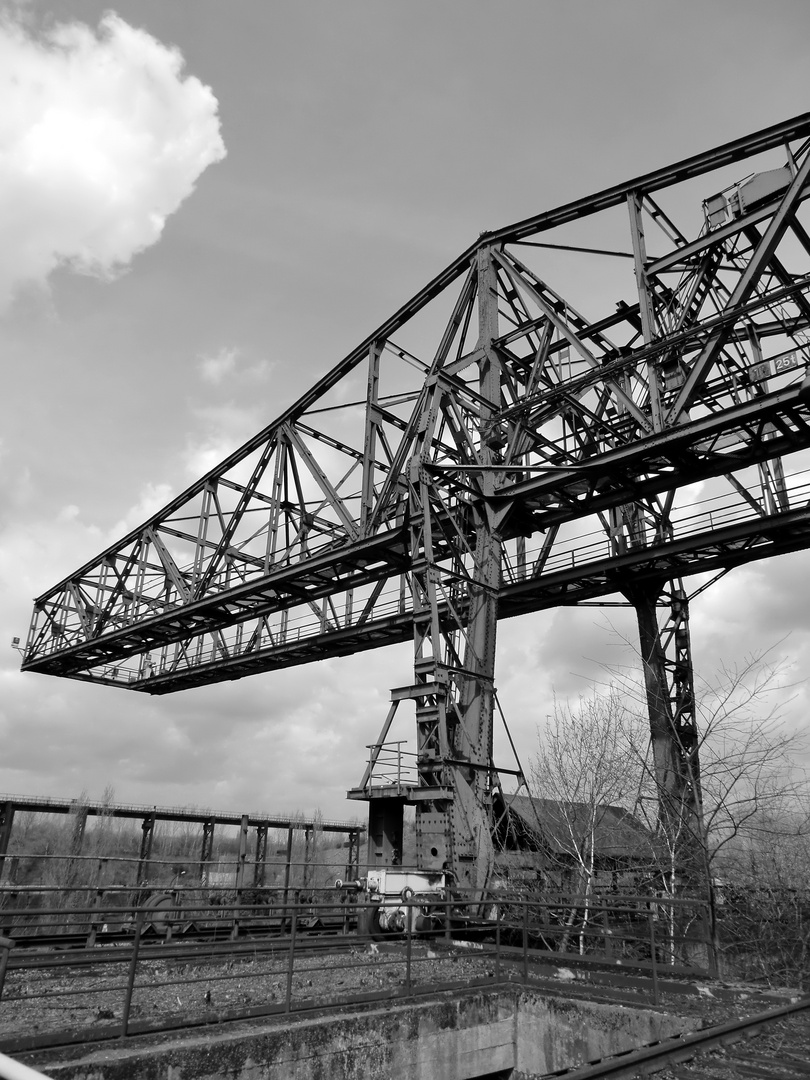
x=102 y=137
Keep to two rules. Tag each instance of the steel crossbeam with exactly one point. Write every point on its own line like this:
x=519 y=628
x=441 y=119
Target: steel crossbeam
x=543 y=448
x=748 y=541
x=718 y=444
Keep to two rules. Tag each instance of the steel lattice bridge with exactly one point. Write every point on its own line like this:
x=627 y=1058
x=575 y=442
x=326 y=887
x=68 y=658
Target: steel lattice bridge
x=529 y=430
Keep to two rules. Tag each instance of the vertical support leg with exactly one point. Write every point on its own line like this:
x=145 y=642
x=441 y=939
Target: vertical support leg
x=309 y=839
x=145 y=854
x=668 y=678
x=260 y=863
x=287 y=869
x=645 y=301
x=6 y=945
x=206 y=850
x=474 y=856
x=6 y=823
x=76 y=841
x=454 y=658
x=370 y=443
x=239 y=881
x=79 y=828
x=98 y=886
x=385 y=828
x=239 y=876
x=353 y=857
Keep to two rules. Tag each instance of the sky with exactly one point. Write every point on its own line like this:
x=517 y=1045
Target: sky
x=203 y=208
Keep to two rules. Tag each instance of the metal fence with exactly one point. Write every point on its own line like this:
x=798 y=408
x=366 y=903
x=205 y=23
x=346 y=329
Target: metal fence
x=177 y=960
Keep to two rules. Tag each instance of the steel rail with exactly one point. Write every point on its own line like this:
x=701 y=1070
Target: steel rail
x=202 y=946
x=681 y=1047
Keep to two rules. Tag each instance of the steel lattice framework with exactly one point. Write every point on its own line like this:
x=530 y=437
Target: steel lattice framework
x=528 y=431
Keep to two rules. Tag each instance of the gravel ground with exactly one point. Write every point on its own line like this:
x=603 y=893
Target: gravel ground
x=39 y=1002
x=49 y=1001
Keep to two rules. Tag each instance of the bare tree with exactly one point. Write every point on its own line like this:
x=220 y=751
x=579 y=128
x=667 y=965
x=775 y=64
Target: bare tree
x=583 y=773
x=749 y=773
x=763 y=909
x=753 y=794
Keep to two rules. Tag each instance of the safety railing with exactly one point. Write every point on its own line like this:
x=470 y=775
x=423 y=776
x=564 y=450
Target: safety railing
x=390 y=765
x=582 y=547
x=186 y=962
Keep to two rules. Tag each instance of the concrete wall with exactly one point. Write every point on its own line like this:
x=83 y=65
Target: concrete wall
x=443 y=1038
x=557 y=1032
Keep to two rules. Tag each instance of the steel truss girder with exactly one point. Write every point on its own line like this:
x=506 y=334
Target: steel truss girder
x=198 y=566
x=736 y=545
x=635 y=471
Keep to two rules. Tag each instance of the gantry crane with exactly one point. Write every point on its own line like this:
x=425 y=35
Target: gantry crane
x=527 y=431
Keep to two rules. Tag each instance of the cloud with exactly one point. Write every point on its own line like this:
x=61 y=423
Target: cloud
x=213 y=369
x=102 y=137
x=229 y=363
x=219 y=430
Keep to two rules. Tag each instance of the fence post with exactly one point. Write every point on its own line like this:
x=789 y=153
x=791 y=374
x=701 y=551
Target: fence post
x=6 y=945
x=287 y=868
x=344 y=905
x=291 y=958
x=656 y=995
x=133 y=963
x=497 y=942
x=711 y=939
x=409 y=909
x=608 y=940
x=96 y=905
x=525 y=940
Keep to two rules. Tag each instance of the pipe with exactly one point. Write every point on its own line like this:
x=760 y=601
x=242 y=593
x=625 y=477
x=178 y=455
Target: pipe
x=14 y=1070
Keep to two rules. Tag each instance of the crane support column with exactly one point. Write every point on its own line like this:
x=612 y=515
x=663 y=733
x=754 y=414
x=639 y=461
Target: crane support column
x=477 y=683
x=455 y=617
x=669 y=687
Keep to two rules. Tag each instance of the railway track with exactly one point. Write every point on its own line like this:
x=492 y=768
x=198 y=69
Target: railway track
x=772 y=1045
x=58 y=944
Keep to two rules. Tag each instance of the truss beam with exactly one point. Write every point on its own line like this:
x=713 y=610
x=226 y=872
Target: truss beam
x=713 y=446
x=507 y=441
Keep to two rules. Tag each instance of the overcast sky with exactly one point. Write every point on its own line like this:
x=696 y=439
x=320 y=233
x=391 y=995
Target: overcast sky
x=203 y=207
